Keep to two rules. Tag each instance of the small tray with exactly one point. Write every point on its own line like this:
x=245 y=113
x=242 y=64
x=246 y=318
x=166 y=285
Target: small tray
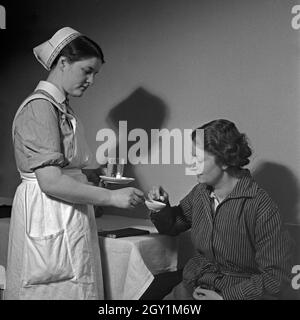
x=122 y=180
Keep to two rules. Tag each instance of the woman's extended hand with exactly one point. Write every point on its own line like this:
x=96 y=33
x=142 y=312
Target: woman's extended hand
x=158 y=194
x=127 y=198
x=204 y=294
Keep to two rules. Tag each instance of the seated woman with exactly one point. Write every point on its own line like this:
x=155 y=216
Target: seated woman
x=242 y=250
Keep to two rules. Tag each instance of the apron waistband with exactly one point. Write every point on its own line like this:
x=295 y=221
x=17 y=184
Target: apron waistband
x=31 y=176
x=28 y=176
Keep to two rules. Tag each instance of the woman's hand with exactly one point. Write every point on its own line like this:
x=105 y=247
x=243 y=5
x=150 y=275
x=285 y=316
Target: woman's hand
x=204 y=294
x=127 y=198
x=158 y=194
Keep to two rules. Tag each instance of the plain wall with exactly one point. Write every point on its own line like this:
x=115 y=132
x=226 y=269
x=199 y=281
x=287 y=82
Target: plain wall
x=171 y=64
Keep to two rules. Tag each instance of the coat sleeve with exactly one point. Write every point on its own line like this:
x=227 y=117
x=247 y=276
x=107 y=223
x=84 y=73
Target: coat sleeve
x=174 y=220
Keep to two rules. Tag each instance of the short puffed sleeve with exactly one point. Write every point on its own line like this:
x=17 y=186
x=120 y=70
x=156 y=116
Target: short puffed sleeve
x=37 y=137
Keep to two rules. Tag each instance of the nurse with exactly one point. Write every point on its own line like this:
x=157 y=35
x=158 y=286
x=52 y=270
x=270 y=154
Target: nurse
x=53 y=245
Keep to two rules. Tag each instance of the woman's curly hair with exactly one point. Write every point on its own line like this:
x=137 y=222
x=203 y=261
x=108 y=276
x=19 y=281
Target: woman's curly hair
x=226 y=143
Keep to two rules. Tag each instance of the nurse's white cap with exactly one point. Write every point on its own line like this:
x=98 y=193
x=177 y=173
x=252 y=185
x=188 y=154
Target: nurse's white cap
x=49 y=50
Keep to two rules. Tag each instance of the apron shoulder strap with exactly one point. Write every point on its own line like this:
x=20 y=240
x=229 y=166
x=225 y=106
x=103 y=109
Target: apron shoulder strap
x=32 y=97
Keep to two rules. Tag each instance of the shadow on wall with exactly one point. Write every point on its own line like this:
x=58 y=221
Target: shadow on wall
x=282 y=186
x=141 y=110
x=9 y=176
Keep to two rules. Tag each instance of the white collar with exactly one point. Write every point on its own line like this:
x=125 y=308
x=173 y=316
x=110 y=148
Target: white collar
x=214 y=196
x=52 y=90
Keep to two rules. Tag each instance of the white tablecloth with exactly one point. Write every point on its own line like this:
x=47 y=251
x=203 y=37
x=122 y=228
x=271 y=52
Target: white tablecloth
x=130 y=263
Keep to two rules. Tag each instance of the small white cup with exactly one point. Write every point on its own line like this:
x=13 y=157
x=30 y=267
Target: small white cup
x=154 y=205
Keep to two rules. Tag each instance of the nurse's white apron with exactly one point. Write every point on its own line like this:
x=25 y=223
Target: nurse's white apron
x=53 y=245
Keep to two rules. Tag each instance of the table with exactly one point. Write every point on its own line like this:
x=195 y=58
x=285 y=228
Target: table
x=129 y=264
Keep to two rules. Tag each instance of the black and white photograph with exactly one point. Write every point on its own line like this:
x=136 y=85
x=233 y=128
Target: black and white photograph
x=150 y=151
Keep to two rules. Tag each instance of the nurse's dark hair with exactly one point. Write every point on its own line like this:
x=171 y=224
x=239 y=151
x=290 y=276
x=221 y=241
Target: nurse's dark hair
x=225 y=142
x=80 y=48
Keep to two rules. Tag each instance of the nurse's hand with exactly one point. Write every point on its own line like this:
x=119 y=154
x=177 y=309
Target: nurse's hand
x=158 y=194
x=127 y=198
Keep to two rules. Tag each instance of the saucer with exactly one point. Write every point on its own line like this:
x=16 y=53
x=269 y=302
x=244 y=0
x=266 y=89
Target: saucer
x=122 y=180
x=154 y=205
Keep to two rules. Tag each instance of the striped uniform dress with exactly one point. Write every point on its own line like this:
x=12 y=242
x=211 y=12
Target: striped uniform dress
x=242 y=250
